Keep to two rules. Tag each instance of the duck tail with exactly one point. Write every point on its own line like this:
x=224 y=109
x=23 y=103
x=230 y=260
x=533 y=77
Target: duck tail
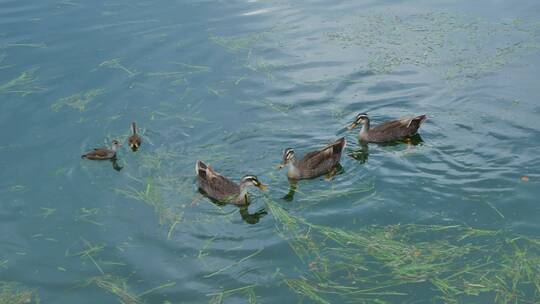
x=200 y=168
x=339 y=145
x=418 y=120
x=134 y=128
x=83 y=156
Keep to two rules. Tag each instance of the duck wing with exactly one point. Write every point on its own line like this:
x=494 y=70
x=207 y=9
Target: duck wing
x=321 y=161
x=215 y=185
x=396 y=129
x=99 y=153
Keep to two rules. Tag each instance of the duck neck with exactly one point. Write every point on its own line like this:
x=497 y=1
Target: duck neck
x=292 y=170
x=133 y=128
x=242 y=197
x=244 y=188
x=364 y=130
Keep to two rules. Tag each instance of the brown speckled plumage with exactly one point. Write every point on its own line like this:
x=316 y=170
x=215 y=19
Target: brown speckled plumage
x=102 y=153
x=315 y=163
x=134 y=140
x=222 y=189
x=388 y=131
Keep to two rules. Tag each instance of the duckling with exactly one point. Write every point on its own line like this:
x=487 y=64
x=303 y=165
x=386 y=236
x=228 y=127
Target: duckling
x=222 y=189
x=315 y=163
x=103 y=153
x=388 y=131
x=134 y=140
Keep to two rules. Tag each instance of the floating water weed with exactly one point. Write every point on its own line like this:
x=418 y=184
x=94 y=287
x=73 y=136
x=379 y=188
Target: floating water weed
x=232 y=265
x=115 y=64
x=77 y=101
x=46 y=212
x=23 y=84
x=237 y=43
x=248 y=291
x=151 y=195
x=89 y=252
x=13 y=293
x=118 y=287
x=28 y=45
x=436 y=39
x=381 y=263
x=85 y=214
x=180 y=77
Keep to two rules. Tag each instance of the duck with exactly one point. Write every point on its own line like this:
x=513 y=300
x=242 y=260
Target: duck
x=393 y=130
x=134 y=140
x=222 y=189
x=314 y=163
x=103 y=153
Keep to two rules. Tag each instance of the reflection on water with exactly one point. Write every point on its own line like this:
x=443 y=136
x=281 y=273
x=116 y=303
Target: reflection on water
x=115 y=165
x=250 y=218
x=293 y=183
x=361 y=154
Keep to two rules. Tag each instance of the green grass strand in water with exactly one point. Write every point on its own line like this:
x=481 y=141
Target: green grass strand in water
x=382 y=263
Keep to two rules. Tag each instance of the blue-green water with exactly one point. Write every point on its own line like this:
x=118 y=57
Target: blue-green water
x=233 y=83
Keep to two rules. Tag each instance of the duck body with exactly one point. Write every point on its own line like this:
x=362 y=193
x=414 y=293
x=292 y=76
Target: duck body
x=222 y=189
x=135 y=139
x=102 y=153
x=315 y=163
x=389 y=131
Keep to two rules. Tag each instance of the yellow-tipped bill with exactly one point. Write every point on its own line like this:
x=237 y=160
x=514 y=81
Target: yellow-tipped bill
x=352 y=126
x=263 y=187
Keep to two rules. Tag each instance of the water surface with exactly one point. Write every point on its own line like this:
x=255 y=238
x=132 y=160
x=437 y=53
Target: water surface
x=233 y=83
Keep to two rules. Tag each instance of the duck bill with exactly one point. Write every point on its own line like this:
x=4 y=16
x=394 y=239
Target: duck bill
x=352 y=126
x=280 y=166
x=263 y=187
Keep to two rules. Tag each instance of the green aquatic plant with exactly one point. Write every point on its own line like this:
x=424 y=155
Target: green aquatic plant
x=247 y=291
x=14 y=293
x=46 y=212
x=237 y=43
x=151 y=195
x=459 y=47
x=115 y=64
x=179 y=76
x=383 y=263
x=77 y=101
x=117 y=286
x=86 y=214
x=279 y=107
x=232 y=265
x=2 y=58
x=89 y=252
x=24 y=84
x=28 y=45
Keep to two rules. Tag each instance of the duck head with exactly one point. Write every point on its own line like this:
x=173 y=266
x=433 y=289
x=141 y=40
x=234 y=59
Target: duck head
x=288 y=157
x=360 y=119
x=252 y=180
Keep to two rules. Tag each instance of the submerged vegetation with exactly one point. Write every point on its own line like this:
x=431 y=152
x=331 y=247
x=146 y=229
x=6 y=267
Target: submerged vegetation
x=77 y=101
x=381 y=264
x=24 y=84
x=246 y=291
x=13 y=293
x=115 y=64
x=119 y=287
